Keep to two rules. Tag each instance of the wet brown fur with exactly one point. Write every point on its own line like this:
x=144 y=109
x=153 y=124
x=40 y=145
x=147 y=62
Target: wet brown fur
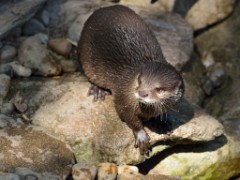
x=115 y=47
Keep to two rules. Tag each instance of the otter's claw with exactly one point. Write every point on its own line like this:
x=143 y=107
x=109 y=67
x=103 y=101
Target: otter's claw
x=142 y=141
x=98 y=93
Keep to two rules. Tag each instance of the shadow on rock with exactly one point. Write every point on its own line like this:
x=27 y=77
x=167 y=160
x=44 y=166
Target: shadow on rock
x=210 y=146
x=171 y=120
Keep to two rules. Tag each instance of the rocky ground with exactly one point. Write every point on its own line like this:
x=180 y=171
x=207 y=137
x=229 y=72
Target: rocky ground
x=50 y=129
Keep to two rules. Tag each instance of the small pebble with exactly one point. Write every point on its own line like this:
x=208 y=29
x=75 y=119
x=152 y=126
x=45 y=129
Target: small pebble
x=5 y=82
x=218 y=76
x=20 y=70
x=208 y=59
x=33 y=27
x=27 y=173
x=68 y=66
x=208 y=86
x=7 y=108
x=44 y=17
x=6 y=69
x=123 y=168
x=19 y=103
x=61 y=46
x=9 y=176
x=126 y=172
x=7 y=54
x=107 y=171
x=82 y=171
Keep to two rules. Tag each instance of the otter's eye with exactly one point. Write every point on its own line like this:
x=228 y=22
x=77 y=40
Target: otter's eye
x=159 y=90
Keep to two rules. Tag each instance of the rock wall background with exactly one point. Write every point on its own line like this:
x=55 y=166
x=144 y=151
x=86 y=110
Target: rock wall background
x=50 y=129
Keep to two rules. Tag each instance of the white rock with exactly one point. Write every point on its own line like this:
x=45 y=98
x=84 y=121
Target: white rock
x=204 y=12
x=129 y=172
x=33 y=54
x=208 y=59
x=123 y=168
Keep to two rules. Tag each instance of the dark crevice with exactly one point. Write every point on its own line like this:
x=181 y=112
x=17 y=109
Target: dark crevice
x=153 y=1
x=113 y=1
x=235 y=177
x=182 y=7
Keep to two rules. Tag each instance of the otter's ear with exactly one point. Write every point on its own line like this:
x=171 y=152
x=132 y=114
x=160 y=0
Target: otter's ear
x=179 y=84
x=139 y=81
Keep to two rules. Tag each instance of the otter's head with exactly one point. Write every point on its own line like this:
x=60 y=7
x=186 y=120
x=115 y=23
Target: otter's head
x=159 y=85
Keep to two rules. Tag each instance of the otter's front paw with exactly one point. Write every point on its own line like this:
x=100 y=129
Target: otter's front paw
x=142 y=141
x=98 y=93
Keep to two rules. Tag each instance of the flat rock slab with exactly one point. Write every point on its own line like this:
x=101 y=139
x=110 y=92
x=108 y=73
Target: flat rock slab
x=94 y=130
x=31 y=147
x=218 y=159
x=15 y=13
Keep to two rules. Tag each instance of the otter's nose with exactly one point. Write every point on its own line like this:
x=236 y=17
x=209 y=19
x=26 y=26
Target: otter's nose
x=143 y=94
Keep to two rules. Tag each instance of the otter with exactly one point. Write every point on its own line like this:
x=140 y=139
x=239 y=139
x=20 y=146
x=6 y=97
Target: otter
x=120 y=55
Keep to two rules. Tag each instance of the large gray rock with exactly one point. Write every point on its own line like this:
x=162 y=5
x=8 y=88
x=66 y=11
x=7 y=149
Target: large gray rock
x=175 y=37
x=31 y=147
x=76 y=27
x=94 y=130
x=14 y=14
x=64 y=13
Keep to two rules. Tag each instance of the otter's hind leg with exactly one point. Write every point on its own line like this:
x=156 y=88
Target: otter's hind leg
x=98 y=92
